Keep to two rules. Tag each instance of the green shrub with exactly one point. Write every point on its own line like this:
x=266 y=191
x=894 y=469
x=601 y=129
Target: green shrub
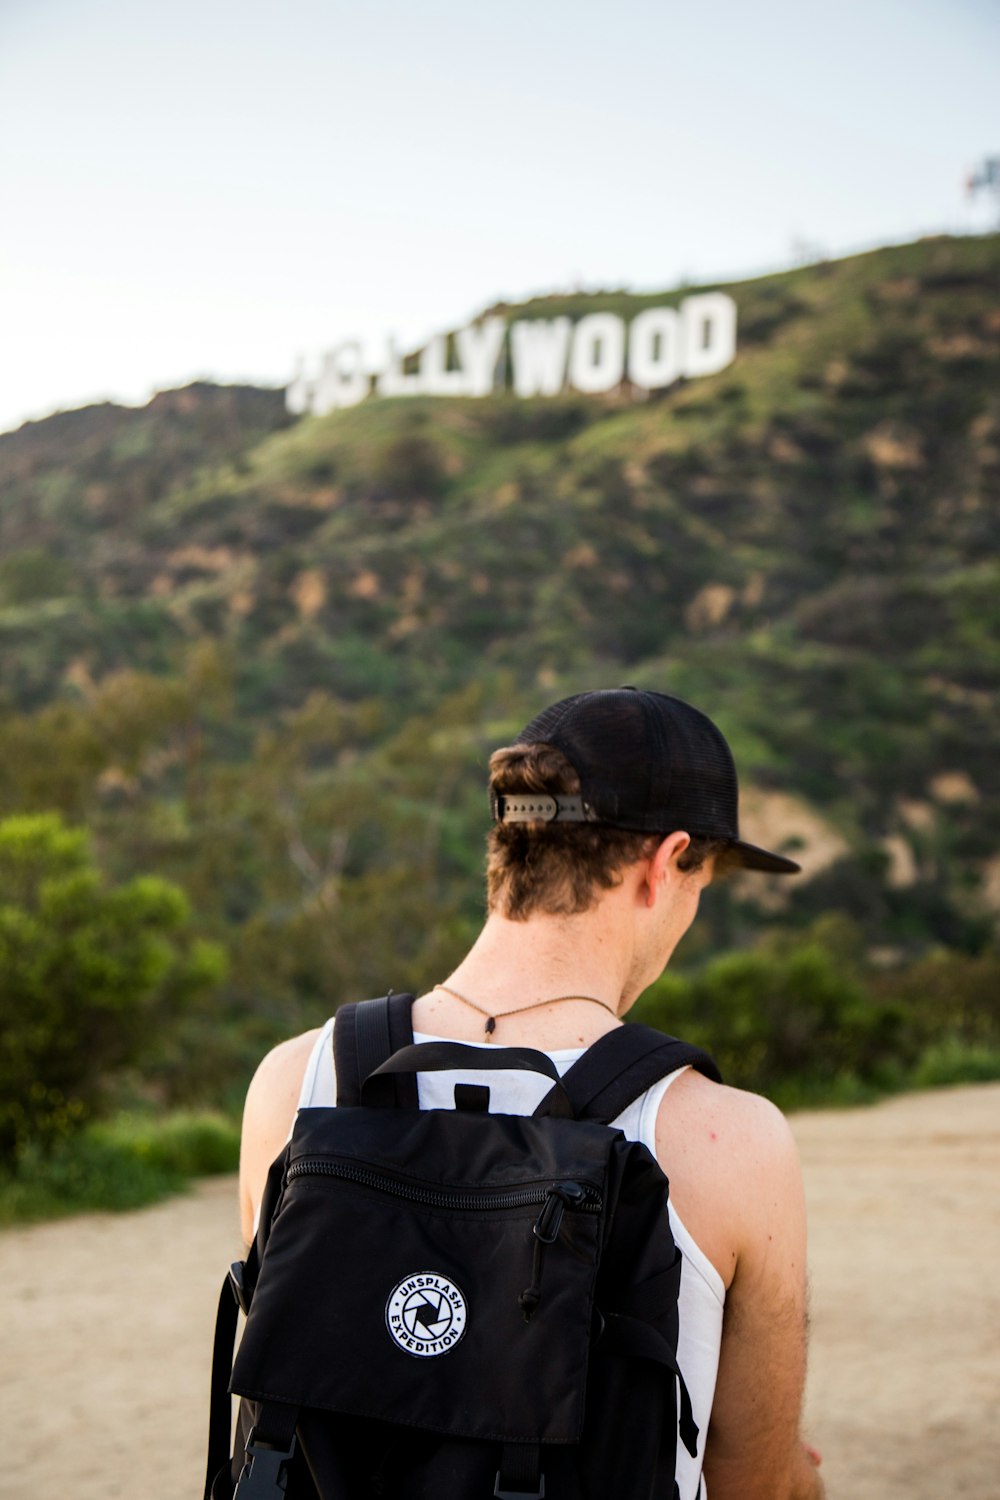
x=183 y=1145
x=799 y=1025
x=84 y=966
x=953 y=1061
x=31 y=575
x=769 y=1018
x=412 y=467
x=956 y=995
x=125 y=1163
x=788 y=1024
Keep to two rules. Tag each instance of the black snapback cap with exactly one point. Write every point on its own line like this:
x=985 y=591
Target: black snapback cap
x=646 y=762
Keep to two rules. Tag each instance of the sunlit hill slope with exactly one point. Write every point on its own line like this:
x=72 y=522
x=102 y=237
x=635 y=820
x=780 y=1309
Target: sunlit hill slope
x=269 y=655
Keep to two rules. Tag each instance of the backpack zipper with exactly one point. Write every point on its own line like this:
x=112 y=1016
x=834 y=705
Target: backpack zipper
x=577 y=1195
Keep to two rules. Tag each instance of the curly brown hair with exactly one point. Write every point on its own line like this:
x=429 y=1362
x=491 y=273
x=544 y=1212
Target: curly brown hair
x=559 y=868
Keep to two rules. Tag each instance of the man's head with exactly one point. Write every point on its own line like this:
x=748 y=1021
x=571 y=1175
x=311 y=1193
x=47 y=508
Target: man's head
x=595 y=783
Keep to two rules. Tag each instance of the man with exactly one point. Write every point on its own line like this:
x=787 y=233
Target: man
x=611 y=811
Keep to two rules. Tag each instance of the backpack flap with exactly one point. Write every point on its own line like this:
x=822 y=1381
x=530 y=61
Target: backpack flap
x=434 y=1270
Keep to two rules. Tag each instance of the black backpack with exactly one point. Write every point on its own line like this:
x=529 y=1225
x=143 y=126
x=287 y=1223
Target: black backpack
x=453 y=1304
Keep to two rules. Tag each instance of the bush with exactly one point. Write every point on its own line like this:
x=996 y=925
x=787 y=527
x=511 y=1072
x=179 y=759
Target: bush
x=771 y=1018
x=956 y=995
x=411 y=468
x=183 y=1145
x=953 y=1061
x=800 y=1025
x=31 y=575
x=84 y=966
x=123 y=1164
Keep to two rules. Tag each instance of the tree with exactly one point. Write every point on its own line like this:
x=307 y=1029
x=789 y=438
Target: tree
x=86 y=970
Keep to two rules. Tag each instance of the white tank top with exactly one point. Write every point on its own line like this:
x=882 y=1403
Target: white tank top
x=702 y=1293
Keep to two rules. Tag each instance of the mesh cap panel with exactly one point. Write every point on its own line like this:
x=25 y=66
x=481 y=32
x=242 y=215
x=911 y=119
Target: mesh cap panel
x=650 y=763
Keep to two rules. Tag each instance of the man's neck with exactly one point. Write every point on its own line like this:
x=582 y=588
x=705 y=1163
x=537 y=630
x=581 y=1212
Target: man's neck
x=516 y=963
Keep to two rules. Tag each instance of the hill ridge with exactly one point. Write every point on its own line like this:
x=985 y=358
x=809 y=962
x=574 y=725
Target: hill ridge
x=208 y=598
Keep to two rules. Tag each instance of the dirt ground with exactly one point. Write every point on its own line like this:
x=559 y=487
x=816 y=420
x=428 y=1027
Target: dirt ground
x=107 y=1320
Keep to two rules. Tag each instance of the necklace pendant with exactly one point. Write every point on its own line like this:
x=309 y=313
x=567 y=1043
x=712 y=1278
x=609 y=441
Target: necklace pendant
x=491 y=1025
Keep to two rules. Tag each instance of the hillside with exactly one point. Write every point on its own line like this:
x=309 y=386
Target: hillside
x=268 y=655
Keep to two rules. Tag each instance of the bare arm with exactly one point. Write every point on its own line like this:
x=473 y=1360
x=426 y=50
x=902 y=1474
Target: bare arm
x=271 y=1102
x=754 y=1450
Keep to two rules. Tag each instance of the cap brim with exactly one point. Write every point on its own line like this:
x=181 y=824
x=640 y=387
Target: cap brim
x=749 y=857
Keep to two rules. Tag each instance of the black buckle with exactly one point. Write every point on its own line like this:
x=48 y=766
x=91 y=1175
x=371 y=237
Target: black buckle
x=538 y=1494
x=265 y=1474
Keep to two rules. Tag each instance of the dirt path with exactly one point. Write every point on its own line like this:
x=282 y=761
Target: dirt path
x=106 y=1321
x=904 y=1213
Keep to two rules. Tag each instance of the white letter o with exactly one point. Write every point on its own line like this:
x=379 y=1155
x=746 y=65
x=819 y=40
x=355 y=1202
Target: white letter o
x=597 y=359
x=654 y=348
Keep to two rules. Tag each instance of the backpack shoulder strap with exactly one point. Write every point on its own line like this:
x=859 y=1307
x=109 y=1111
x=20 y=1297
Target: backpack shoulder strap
x=364 y=1037
x=623 y=1064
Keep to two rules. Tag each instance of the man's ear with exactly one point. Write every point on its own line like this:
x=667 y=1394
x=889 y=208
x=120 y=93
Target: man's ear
x=664 y=861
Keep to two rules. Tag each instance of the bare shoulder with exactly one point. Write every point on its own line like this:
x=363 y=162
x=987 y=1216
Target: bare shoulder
x=745 y=1131
x=732 y=1164
x=271 y=1102
x=737 y=1184
x=283 y=1065
x=751 y=1122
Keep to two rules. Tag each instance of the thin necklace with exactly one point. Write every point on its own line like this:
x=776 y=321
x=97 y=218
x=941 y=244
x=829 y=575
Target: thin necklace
x=491 y=1020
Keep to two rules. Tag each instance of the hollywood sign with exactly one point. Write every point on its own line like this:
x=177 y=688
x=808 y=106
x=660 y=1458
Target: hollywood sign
x=536 y=357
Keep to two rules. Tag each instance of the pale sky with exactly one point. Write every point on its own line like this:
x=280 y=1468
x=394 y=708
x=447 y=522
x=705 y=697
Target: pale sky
x=209 y=189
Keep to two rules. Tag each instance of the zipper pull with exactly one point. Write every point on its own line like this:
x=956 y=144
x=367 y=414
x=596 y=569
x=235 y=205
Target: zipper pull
x=560 y=1196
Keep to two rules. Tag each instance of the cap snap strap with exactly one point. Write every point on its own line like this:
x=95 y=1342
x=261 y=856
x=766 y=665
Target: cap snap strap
x=539 y=807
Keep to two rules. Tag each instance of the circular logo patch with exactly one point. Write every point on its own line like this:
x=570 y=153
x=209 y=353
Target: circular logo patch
x=426 y=1314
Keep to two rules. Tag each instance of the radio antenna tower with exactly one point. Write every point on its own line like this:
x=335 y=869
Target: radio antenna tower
x=986 y=179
